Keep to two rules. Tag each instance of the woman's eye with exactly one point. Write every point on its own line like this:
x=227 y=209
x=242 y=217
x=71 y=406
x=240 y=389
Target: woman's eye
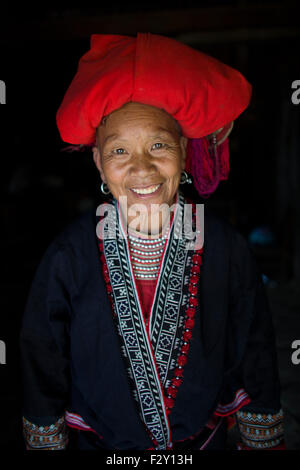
x=158 y=145
x=119 y=151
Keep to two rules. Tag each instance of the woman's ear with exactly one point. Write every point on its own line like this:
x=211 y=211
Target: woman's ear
x=183 y=145
x=97 y=161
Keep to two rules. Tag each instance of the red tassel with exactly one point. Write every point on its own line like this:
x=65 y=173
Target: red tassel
x=190 y=323
x=178 y=372
x=196 y=269
x=185 y=348
x=172 y=391
x=170 y=402
x=193 y=301
x=187 y=335
x=176 y=382
x=182 y=360
x=190 y=312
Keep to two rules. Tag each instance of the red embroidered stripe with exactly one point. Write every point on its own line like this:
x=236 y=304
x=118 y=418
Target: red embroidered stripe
x=241 y=399
x=76 y=421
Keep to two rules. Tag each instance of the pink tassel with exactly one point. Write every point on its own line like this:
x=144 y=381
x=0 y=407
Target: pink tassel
x=207 y=166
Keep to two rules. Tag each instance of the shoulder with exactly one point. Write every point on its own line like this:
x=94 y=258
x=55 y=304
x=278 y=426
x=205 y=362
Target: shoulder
x=223 y=240
x=79 y=230
x=75 y=241
x=71 y=256
x=218 y=227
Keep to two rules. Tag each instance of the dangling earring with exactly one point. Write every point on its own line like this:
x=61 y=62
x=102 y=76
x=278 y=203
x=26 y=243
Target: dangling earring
x=104 y=188
x=185 y=178
x=214 y=142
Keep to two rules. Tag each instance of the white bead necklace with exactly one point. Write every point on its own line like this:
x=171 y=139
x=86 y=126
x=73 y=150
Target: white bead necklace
x=146 y=256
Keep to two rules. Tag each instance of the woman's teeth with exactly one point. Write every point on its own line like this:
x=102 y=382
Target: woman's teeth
x=149 y=190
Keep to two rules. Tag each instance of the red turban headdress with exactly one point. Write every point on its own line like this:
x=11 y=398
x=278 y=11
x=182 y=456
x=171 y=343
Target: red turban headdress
x=200 y=92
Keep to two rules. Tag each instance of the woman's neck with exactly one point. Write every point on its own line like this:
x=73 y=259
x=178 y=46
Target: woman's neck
x=161 y=232
x=151 y=226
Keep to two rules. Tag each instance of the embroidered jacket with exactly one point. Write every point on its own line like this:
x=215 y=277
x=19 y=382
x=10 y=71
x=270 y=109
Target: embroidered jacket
x=87 y=356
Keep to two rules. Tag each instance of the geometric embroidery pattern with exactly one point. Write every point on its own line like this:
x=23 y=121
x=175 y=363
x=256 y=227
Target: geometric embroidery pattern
x=52 y=437
x=260 y=431
x=150 y=354
x=168 y=310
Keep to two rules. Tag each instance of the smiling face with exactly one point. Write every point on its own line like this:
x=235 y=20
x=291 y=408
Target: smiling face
x=140 y=155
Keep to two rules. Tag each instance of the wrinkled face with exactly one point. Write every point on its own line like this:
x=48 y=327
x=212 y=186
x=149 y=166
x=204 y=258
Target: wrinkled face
x=140 y=155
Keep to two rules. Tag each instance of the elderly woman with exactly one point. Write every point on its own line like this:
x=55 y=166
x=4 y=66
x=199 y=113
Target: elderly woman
x=145 y=329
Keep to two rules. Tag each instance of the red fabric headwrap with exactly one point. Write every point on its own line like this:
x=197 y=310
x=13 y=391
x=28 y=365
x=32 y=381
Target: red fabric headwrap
x=200 y=92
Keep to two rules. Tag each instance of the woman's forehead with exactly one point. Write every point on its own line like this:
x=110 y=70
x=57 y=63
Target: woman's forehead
x=134 y=115
x=134 y=109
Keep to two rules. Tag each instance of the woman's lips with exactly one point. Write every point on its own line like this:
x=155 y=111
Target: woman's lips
x=146 y=191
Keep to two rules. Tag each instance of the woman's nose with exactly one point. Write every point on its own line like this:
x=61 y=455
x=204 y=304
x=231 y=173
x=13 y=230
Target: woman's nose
x=142 y=165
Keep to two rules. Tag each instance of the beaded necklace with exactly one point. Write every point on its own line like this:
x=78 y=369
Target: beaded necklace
x=145 y=256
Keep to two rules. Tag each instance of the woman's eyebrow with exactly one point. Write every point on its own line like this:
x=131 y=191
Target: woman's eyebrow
x=160 y=136
x=159 y=133
x=110 y=137
x=163 y=130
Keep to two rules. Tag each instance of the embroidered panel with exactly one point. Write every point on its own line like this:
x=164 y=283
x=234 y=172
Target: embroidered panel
x=153 y=354
x=52 y=437
x=136 y=346
x=168 y=309
x=260 y=431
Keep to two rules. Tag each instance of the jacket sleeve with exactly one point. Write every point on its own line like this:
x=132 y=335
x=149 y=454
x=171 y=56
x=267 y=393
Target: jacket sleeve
x=253 y=352
x=44 y=351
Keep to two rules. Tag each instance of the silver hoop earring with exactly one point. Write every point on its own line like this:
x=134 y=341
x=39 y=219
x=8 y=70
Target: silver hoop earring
x=185 y=178
x=104 y=188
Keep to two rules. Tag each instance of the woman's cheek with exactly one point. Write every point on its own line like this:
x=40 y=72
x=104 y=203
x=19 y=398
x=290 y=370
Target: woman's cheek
x=114 y=173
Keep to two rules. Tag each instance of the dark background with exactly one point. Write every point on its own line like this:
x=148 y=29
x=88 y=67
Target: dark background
x=43 y=188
